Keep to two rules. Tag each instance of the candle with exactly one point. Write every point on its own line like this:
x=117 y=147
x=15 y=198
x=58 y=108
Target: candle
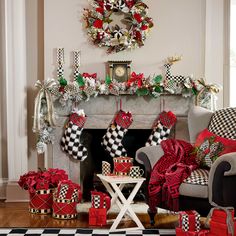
x=60 y=55
x=77 y=58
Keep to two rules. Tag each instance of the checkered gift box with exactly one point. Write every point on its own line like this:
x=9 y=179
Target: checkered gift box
x=189 y=221
x=122 y=165
x=100 y=200
x=41 y=201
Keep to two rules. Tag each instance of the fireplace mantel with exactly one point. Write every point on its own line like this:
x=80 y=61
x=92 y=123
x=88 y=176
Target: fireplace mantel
x=100 y=112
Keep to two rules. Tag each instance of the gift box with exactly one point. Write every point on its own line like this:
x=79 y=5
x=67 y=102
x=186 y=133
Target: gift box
x=189 y=221
x=64 y=208
x=122 y=165
x=97 y=216
x=220 y=216
x=41 y=201
x=221 y=221
x=180 y=232
x=100 y=200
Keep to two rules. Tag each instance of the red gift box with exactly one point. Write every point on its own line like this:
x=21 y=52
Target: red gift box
x=122 y=165
x=189 y=221
x=97 y=216
x=64 y=208
x=220 y=216
x=180 y=232
x=41 y=201
x=217 y=228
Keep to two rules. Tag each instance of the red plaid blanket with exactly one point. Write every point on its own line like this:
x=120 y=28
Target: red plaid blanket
x=169 y=172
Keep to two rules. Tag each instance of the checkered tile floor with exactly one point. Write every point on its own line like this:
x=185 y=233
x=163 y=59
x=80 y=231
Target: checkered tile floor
x=83 y=232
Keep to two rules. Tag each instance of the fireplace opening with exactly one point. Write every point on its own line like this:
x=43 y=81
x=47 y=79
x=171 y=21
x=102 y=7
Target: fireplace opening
x=92 y=165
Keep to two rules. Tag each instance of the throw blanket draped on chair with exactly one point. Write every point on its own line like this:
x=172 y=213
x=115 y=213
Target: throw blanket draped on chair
x=169 y=172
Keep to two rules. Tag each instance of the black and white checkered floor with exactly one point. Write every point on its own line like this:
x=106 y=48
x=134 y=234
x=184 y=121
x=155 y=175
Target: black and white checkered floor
x=83 y=232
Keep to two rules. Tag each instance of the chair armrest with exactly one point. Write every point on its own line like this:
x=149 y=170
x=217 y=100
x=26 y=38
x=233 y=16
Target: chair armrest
x=223 y=166
x=148 y=156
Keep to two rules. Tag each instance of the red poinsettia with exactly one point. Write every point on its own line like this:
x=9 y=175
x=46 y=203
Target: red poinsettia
x=100 y=10
x=144 y=27
x=98 y=24
x=138 y=17
x=46 y=179
x=130 y=3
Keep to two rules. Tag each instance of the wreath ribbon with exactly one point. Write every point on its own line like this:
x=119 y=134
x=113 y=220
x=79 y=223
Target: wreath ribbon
x=212 y=88
x=44 y=92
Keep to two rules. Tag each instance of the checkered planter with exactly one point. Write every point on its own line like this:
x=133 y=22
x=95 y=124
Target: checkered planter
x=122 y=165
x=64 y=208
x=41 y=201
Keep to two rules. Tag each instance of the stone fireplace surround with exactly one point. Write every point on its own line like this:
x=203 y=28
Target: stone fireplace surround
x=100 y=112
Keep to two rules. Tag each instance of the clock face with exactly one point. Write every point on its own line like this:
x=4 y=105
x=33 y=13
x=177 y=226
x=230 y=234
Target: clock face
x=119 y=71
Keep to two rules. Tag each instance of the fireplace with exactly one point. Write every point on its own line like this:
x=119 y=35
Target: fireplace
x=100 y=112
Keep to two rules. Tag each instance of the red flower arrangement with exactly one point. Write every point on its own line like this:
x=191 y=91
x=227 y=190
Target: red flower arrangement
x=42 y=179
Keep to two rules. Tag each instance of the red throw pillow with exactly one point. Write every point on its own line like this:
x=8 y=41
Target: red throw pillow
x=209 y=147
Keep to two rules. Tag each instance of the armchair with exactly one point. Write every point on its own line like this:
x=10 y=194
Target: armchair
x=214 y=185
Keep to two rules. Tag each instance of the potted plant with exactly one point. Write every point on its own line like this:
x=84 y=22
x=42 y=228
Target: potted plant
x=40 y=186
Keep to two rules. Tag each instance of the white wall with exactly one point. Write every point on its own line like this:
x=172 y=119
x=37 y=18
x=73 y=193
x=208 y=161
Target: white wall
x=179 y=29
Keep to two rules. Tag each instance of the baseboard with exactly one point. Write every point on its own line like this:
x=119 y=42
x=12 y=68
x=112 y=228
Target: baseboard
x=15 y=194
x=3 y=185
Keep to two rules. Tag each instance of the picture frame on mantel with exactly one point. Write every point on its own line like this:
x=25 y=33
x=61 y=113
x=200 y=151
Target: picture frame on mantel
x=119 y=70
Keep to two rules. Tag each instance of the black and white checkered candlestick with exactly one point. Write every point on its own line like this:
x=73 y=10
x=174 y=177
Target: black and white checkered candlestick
x=60 y=62
x=76 y=55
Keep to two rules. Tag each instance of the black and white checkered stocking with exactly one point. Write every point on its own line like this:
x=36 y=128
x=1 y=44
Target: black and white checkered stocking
x=111 y=141
x=161 y=131
x=70 y=142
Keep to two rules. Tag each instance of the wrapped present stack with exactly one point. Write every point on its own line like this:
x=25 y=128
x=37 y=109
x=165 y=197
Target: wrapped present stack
x=222 y=222
x=189 y=224
x=65 y=199
x=98 y=212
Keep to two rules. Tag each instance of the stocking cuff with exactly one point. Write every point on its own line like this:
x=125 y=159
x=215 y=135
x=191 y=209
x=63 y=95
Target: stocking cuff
x=167 y=119
x=123 y=119
x=77 y=120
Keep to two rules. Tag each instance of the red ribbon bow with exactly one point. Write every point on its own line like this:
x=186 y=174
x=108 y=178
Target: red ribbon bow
x=87 y=75
x=136 y=78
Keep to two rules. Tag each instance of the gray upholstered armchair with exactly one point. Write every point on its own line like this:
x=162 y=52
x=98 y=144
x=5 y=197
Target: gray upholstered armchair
x=215 y=185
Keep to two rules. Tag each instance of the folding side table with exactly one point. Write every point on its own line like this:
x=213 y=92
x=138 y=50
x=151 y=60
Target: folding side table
x=114 y=185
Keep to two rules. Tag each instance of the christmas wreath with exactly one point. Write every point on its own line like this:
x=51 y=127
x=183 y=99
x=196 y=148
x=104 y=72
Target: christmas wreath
x=115 y=38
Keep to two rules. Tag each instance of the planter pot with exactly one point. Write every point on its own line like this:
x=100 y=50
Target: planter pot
x=41 y=201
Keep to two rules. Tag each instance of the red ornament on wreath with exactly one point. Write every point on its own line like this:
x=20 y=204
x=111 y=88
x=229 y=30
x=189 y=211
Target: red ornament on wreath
x=118 y=39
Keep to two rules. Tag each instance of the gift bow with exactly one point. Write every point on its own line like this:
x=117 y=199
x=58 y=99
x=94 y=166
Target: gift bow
x=212 y=88
x=229 y=219
x=87 y=75
x=44 y=92
x=136 y=78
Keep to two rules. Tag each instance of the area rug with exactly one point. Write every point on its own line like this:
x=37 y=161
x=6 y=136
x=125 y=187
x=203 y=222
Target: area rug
x=82 y=232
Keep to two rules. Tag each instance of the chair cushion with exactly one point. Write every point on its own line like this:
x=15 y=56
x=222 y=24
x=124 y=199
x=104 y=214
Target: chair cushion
x=194 y=190
x=209 y=147
x=196 y=185
x=223 y=123
x=198 y=176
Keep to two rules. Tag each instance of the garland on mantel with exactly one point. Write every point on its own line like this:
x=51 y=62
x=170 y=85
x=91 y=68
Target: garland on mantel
x=87 y=85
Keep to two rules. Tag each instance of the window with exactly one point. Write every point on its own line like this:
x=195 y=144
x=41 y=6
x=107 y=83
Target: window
x=233 y=53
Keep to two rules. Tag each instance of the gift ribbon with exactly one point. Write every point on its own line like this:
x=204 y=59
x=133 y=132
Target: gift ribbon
x=44 y=92
x=229 y=219
x=87 y=75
